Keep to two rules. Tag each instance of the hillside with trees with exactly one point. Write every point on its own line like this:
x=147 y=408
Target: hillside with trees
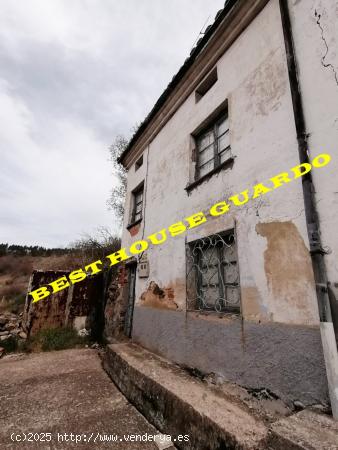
x=18 y=261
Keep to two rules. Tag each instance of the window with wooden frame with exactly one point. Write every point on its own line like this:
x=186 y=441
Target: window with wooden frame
x=213 y=146
x=137 y=204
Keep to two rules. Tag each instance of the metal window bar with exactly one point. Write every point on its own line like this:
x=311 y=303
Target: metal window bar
x=212 y=274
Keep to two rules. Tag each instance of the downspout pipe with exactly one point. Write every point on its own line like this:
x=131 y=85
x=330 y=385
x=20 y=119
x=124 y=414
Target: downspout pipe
x=312 y=219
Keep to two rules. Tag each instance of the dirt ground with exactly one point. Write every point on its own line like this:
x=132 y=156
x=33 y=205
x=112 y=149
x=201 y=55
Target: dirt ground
x=61 y=393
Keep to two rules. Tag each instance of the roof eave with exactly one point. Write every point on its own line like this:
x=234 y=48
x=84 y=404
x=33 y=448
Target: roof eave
x=221 y=15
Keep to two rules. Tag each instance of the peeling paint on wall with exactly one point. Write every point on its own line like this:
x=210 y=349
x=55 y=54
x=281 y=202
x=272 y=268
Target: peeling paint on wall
x=156 y=297
x=262 y=93
x=266 y=87
x=288 y=268
x=252 y=305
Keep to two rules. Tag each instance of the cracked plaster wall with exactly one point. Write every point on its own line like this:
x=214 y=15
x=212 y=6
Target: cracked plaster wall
x=315 y=28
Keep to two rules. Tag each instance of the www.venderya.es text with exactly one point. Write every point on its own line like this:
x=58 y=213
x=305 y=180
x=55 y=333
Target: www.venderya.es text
x=96 y=437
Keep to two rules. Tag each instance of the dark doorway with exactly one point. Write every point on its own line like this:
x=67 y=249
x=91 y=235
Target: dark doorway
x=131 y=300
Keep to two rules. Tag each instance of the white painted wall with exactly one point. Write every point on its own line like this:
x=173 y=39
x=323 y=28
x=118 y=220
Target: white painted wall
x=252 y=75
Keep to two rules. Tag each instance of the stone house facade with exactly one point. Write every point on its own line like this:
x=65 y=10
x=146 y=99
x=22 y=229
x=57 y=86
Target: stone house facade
x=237 y=296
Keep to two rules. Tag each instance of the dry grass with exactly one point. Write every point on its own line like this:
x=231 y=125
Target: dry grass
x=16 y=270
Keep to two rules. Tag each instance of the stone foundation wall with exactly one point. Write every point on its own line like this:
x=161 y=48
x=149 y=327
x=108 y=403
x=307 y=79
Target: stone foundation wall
x=116 y=304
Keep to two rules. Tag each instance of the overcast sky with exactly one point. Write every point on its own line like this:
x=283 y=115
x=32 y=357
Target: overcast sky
x=73 y=75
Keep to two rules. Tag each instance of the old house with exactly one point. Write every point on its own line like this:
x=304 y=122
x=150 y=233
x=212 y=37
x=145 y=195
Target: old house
x=237 y=296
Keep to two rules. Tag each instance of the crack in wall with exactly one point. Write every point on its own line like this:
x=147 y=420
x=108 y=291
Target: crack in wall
x=324 y=64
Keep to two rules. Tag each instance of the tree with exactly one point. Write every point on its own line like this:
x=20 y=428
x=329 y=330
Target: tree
x=118 y=192
x=91 y=247
x=3 y=249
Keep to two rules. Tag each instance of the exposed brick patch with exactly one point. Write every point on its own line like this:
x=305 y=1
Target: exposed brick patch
x=157 y=297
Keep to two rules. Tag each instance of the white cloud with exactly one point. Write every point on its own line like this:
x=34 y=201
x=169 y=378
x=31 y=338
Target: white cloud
x=57 y=188
x=73 y=75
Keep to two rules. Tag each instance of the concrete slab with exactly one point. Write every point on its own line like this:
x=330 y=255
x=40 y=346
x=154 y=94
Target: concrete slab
x=177 y=403
x=65 y=392
x=305 y=430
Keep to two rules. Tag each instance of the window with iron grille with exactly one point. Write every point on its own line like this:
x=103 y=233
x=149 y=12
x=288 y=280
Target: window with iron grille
x=212 y=274
x=137 y=205
x=213 y=146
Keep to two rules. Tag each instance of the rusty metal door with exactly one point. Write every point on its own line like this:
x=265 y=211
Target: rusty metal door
x=131 y=300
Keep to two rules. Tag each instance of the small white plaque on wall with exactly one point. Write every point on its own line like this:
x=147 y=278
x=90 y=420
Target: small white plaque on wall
x=143 y=267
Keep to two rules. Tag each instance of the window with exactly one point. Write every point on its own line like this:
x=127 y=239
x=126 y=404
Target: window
x=213 y=146
x=212 y=274
x=206 y=84
x=138 y=163
x=137 y=205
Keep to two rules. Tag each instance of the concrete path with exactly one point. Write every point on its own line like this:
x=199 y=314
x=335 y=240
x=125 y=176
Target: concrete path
x=62 y=393
x=213 y=418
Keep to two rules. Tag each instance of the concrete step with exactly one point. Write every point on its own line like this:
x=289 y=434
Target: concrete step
x=178 y=404
x=198 y=416
x=305 y=430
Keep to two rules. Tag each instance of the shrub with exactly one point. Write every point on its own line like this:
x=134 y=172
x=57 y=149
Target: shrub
x=10 y=345
x=56 y=339
x=23 y=346
x=46 y=340
x=17 y=304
